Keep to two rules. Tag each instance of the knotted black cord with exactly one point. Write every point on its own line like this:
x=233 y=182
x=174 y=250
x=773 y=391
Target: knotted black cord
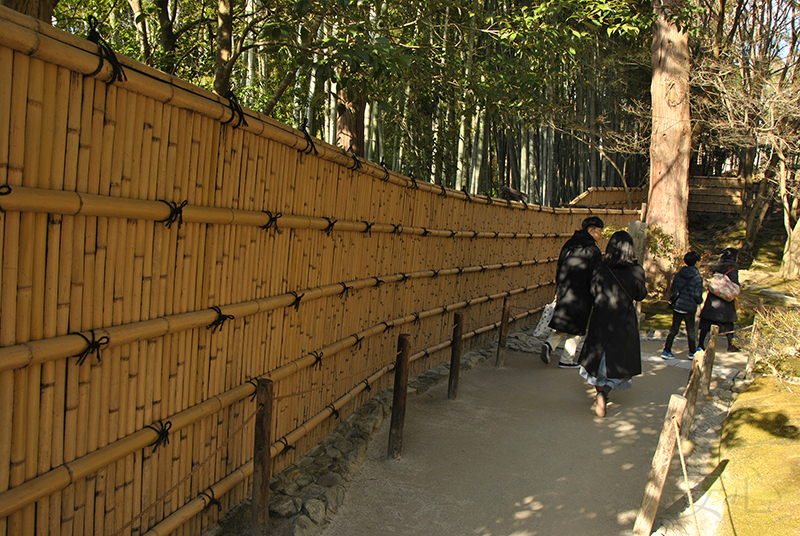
x=5 y=189
x=287 y=446
x=386 y=171
x=436 y=272
x=403 y=277
x=106 y=52
x=92 y=346
x=444 y=308
x=211 y=500
x=452 y=234
x=474 y=235
x=356 y=162
x=221 y=318
x=273 y=220
x=236 y=109
x=444 y=191
x=334 y=411
x=460 y=270
x=425 y=231
x=416 y=319
x=515 y=235
x=309 y=142
x=345 y=288
x=466 y=193
x=378 y=281
x=254 y=383
x=358 y=339
x=297 y=298
x=483 y=268
x=331 y=223
x=369 y=226
x=368 y=387
x=414 y=184
x=176 y=213
x=163 y=433
x=317 y=359
x=496 y=234
x=387 y=326
x=425 y=352
x=397 y=228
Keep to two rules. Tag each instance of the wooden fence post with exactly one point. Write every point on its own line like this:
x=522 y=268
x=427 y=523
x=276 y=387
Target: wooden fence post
x=262 y=462
x=708 y=362
x=658 y=472
x=501 y=343
x=400 y=396
x=455 y=355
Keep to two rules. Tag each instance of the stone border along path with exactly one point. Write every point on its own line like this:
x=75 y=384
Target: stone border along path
x=306 y=493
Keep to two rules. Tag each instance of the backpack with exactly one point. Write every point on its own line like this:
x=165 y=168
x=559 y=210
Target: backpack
x=674 y=295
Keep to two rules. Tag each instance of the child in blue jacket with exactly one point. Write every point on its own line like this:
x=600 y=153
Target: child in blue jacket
x=689 y=284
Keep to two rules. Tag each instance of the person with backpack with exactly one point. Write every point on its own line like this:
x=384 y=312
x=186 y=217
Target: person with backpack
x=718 y=310
x=685 y=295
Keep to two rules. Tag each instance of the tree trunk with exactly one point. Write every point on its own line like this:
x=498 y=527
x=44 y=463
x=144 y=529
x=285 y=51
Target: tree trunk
x=670 y=146
x=790 y=265
x=222 y=73
x=38 y=9
x=350 y=126
x=140 y=21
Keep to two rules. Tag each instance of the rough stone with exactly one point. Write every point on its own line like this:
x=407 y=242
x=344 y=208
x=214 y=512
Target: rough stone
x=329 y=480
x=334 y=498
x=316 y=510
x=303 y=526
x=283 y=506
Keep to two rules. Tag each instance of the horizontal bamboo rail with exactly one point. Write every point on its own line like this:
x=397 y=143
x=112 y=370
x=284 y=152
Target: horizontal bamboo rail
x=67 y=474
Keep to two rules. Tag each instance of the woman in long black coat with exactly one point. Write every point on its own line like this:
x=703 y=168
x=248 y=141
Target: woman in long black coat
x=611 y=353
x=717 y=310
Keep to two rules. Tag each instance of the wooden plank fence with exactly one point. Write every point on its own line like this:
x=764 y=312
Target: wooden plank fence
x=161 y=254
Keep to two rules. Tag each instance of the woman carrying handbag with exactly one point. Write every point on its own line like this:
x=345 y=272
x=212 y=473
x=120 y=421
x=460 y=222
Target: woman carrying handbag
x=718 y=309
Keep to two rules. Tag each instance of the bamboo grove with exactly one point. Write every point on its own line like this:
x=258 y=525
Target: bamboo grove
x=471 y=95
x=162 y=249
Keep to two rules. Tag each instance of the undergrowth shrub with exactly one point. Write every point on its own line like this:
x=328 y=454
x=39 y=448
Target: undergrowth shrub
x=775 y=341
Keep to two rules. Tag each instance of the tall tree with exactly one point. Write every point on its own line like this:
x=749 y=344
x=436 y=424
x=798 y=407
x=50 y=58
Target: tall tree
x=671 y=139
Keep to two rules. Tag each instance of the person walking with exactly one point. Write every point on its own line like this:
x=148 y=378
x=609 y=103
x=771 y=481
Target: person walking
x=716 y=310
x=611 y=353
x=688 y=284
x=577 y=259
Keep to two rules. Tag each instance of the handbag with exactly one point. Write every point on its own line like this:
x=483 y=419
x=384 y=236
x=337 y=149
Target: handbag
x=547 y=315
x=721 y=285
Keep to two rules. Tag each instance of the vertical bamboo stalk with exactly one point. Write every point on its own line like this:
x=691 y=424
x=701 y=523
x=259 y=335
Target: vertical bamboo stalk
x=501 y=343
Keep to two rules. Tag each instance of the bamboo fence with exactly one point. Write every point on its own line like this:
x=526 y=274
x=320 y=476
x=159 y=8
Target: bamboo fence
x=157 y=258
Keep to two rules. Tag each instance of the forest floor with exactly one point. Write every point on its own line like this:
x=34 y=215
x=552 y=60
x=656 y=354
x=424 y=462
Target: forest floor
x=756 y=466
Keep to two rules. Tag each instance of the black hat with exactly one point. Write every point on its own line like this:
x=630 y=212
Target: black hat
x=592 y=221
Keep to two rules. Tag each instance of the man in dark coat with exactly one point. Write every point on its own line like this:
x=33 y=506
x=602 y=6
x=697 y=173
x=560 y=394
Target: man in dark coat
x=717 y=311
x=688 y=283
x=578 y=257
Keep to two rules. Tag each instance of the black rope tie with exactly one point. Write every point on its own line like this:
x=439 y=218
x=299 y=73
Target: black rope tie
x=286 y=446
x=426 y=353
x=211 y=500
x=358 y=339
x=483 y=268
x=356 y=161
x=297 y=298
x=466 y=193
x=162 y=429
x=386 y=326
x=221 y=318
x=317 y=359
x=444 y=190
x=403 y=277
x=444 y=308
x=385 y=171
x=94 y=345
x=331 y=223
x=4 y=190
x=254 y=383
x=496 y=234
x=309 y=142
x=236 y=110
x=416 y=319
x=515 y=235
x=474 y=235
x=176 y=213
x=334 y=411
x=378 y=281
x=414 y=185
x=368 y=228
x=345 y=288
x=367 y=387
x=273 y=220
x=397 y=229
x=452 y=234
x=425 y=231
x=106 y=53
x=436 y=272
x=460 y=270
